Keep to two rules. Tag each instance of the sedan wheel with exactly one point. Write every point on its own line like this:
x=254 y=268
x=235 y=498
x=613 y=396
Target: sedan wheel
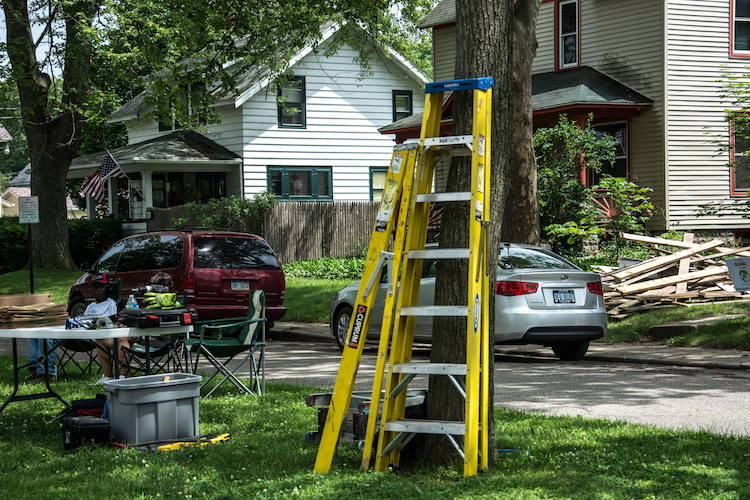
x=571 y=351
x=341 y=325
x=77 y=307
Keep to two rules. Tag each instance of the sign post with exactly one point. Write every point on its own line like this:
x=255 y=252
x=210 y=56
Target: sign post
x=28 y=213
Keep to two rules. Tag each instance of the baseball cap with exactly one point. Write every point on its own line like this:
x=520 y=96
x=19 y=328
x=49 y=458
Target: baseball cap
x=100 y=279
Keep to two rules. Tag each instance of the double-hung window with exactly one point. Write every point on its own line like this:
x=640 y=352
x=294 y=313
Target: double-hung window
x=567 y=34
x=619 y=167
x=300 y=183
x=740 y=28
x=402 y=104
x=378 y=176
x=738 y=153
x=291 y=108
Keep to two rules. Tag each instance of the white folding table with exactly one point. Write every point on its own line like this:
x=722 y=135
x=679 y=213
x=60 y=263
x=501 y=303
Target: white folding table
x=60 y=333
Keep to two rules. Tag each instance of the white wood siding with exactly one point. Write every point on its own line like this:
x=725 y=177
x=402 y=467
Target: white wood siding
x=544 y=61
x=343 y=115
x=698 y=54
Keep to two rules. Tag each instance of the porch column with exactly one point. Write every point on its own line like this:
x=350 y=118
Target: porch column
x=146 y=191
x=112 y=196
x=90 y=207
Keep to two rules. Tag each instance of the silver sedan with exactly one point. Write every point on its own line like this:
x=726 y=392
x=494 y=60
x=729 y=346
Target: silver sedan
x=541 y=298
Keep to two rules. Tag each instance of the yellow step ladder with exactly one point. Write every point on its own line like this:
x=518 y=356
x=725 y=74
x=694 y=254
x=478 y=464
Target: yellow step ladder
x=412 y=172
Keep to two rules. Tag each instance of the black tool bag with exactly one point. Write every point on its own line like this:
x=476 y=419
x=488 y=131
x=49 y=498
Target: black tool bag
x=83 y=423
x=155 y=318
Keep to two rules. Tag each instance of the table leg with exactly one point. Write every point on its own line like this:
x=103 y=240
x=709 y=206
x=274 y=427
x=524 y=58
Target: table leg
x=26 y=397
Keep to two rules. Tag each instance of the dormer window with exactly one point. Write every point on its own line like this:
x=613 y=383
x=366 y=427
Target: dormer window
x=567 y=30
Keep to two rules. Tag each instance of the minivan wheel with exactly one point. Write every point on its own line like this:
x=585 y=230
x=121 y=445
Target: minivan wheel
x=571 y=350
x=341 y=324
x=77 y=307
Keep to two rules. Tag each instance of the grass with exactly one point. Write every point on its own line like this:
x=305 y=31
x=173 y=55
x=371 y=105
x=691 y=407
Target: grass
x=308 y=300
x=269 y=458
x=55 y=283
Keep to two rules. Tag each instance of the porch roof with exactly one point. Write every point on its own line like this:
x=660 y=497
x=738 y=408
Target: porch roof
x=180 y=146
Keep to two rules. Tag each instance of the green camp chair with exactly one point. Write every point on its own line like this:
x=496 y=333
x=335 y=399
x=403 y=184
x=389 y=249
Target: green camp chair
x=228 y=338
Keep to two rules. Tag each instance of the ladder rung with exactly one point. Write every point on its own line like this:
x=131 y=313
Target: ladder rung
x=449 y=140
x=440 y=253
x=435 y=311
x=430 y=368
x=427 y=426
x=437 y=197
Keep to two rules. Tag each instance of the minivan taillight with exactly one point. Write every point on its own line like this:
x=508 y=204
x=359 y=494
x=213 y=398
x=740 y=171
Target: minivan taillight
x=188 y=283
x=596 y=288
x=512 y=288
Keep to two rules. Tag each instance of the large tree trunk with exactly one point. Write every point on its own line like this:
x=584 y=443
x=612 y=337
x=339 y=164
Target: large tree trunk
x=483 y=48
x=52 y=140
x=521 y=221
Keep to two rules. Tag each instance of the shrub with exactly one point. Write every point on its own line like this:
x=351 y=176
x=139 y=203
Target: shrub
x=88 y=239
x=243 y=214
x=14 y=248
x=326 y=268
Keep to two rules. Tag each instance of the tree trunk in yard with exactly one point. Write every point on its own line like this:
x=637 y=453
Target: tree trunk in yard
x=521 y=221
x=483 y=48
x=53 y=127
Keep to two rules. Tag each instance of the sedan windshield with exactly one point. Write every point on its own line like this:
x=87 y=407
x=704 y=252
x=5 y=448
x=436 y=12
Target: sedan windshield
x=529 y=258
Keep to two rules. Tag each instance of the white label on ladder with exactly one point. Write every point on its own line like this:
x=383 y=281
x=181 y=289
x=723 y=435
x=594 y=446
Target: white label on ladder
x=478 y=212
x=477 y=313
x=480 y=151
x=387 y=203
x=398 y=159
x=480 y=177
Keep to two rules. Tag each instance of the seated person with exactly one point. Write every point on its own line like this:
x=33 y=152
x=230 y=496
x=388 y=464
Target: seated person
x=103 y=305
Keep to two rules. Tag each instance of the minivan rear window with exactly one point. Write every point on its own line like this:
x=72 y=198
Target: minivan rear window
x=233 y=253
x=156 y=251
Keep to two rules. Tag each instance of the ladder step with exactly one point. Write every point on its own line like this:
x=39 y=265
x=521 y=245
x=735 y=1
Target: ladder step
x=431 y=368
x=426 y=427
x=449 y=140
x=435 y=311
x=438 y=197
x=440 y=253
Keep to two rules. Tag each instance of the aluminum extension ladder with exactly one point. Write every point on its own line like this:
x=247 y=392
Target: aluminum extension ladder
x=409 y=184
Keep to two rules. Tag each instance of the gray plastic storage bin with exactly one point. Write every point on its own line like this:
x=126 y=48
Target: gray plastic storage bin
x=153 y=407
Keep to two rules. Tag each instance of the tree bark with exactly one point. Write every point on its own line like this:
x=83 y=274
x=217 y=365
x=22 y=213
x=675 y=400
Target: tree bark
x=483 y=49
x=521 y=221
x=52 y=140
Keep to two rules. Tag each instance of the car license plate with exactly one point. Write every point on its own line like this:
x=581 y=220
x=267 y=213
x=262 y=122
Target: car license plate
x=240 y=286
x=563 y=296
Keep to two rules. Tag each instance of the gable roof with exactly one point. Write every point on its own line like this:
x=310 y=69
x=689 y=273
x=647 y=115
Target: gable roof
x=257 y=77
x=180 y=146
x=442 y=14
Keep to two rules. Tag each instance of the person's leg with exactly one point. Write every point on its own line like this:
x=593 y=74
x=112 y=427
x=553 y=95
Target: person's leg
x=35 y=352
x=103 y=352
x=51 y=357
x=124 y=358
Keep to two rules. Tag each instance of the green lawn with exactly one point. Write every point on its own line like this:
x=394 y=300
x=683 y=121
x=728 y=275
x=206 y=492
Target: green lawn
x=268 y=457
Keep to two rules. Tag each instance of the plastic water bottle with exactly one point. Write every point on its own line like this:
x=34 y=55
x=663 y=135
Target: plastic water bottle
x=131 y=303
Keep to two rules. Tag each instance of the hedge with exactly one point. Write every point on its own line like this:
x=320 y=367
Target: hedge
x=88 y=239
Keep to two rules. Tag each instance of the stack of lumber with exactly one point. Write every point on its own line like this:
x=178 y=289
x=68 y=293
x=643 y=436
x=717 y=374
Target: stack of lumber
x=23 y=311
x=691 y=274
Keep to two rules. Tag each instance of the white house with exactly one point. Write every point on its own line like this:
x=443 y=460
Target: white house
x=322 y=144
x=649 y=71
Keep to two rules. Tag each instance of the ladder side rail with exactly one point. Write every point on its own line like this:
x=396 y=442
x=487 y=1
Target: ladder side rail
x=475 y=293
x=400 y=167
x=490 y=276
x=416 y=233
x=385 y=332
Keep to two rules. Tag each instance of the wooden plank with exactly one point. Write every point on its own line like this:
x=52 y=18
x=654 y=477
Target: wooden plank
x=684 y=266
x=721 y=254
x=674 y=243
x=649 y=265
x=671 y=280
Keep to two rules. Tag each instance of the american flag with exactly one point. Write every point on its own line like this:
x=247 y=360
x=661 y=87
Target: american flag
x=108 y=169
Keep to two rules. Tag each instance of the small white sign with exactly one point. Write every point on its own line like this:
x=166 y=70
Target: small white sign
x=739 y=271
x=28 y=210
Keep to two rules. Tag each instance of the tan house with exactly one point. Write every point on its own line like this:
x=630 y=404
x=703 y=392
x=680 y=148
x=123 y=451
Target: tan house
x=649 y=72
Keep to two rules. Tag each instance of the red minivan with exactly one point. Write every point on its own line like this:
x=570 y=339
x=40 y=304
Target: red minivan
x=217 y=269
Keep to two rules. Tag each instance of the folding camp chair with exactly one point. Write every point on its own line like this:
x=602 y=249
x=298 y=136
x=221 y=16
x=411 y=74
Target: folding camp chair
x=164 y=355
x=228 y=338
x=85 y=349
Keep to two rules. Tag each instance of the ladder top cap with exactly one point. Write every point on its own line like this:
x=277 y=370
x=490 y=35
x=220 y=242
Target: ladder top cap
x=467 y=84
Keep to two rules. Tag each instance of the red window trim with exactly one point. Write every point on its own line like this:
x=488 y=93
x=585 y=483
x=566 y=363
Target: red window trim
x=732 y=52
x=558 y=66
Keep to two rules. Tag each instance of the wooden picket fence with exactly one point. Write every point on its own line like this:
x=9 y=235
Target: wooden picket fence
x=301 y=230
